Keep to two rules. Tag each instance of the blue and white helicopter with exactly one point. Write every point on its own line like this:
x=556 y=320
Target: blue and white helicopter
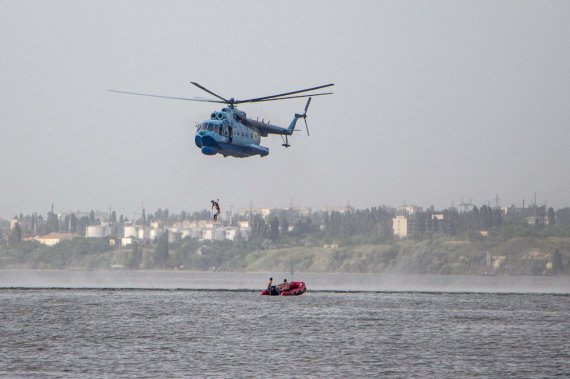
x=230 y=133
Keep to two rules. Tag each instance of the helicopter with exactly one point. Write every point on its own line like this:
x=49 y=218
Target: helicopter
x=230 y=133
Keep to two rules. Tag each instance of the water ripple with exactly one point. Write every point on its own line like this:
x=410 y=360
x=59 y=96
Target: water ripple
x=227 y=334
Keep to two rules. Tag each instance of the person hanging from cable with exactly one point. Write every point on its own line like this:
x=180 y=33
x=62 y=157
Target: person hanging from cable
x=217 y=206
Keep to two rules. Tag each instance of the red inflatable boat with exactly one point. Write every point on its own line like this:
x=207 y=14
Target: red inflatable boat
x=295 y=288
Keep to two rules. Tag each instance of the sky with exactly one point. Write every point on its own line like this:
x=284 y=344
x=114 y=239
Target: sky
x=435 y=103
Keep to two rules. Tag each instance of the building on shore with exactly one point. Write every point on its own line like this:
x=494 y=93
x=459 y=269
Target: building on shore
x=97 y=231
x=402 y=226
x=53 y=239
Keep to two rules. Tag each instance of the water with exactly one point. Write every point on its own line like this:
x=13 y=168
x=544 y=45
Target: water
x=134 y=332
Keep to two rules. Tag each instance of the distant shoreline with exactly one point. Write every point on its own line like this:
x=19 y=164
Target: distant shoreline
x=517 y=256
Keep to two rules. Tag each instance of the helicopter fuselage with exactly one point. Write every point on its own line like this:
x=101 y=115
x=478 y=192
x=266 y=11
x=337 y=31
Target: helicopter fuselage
x=230 y=133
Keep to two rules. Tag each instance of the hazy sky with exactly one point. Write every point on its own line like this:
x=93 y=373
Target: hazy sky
x=435 y=101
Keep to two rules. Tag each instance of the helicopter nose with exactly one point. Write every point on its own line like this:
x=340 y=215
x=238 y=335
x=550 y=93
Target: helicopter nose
x=208 y=140
x=205 y=138
x=198 y=140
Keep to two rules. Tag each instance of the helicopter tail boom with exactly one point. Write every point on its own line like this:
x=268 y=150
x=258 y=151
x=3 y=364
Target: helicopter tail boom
x=291 y=128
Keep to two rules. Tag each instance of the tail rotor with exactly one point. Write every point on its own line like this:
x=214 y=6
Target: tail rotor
x=304 y=115
x=289 y=131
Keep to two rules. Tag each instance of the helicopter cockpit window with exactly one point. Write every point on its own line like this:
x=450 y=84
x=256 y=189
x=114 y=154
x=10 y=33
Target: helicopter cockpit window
x=210 y=127
x=217 y=129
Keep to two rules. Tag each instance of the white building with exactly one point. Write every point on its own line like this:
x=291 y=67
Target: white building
x=245 y=212
x=191 y=233
x=96 y=231
x=231 y=233
x=54 y=238
x=244 y=229
x=206 y=230
x=214 y=233
x=401 y=226
x=155 y=234
x=130 y=231
x=126 y=241
x=411 y=209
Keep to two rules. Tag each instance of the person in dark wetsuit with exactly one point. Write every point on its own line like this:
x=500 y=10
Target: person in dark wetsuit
x=217 y=206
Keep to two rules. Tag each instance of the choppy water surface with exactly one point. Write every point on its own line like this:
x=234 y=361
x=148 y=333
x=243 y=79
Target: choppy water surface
x=211 y=333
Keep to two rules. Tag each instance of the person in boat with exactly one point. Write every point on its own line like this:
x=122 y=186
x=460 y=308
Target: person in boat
x=283 y=286
x=217 y=206
x=269 y=284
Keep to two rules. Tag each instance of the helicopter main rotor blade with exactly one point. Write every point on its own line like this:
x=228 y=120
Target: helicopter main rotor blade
x=210 y=92
x=166 y=97
x=282 y=94
x=307 y=107
x=306 y=126
x=282 y=98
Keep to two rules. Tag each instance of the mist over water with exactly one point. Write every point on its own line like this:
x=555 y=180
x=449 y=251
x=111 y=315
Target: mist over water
x=336 y=282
